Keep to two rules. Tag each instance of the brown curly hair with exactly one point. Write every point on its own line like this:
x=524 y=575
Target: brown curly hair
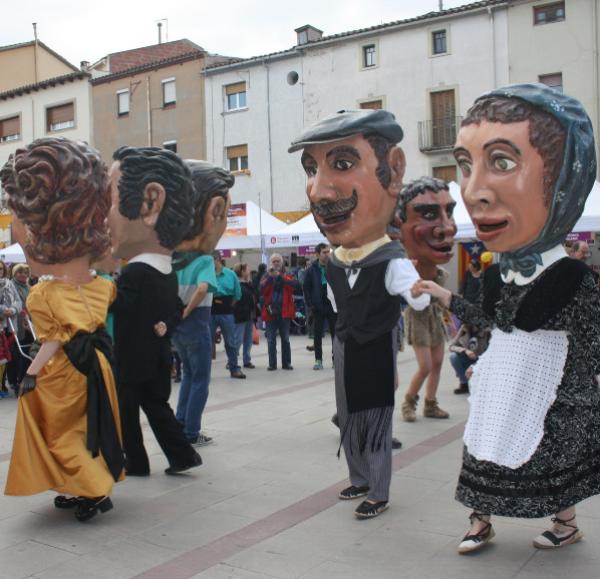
x=61 y=191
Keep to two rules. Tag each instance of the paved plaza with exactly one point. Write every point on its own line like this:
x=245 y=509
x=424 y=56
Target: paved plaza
x=264 y=504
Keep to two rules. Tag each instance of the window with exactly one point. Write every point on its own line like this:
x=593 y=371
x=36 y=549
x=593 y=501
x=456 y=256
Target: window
x=447 y=173
x=123 y=102
x=60 y=118
x=369 y=55
x=378 y=104
x=438 y=42
x=236 y=96
x=549 y=13
x=238 y=158
x=10 y=129
x=169 y=94
x=170 y=145
x=443 y=119
x=552 y=80
x=303 y=37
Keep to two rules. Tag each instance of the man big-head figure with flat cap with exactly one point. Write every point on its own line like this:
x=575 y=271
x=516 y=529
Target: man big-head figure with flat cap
x=354 y=176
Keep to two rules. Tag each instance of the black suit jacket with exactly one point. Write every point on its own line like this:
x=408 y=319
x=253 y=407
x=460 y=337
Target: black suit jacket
x=144 y=297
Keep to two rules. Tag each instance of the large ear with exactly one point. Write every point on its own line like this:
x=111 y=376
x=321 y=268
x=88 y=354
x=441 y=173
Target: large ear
x=153 y=203
x=397 y=163
x=215 y=214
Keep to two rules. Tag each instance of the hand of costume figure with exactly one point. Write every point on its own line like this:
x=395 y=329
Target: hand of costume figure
x=469 y=372
x=433 y=289
x=34 y=349
x=471 y=355
x=160 y=329
x=27 y=384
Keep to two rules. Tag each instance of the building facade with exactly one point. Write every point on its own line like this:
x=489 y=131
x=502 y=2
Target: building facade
x=426 y=70
x=151 y=96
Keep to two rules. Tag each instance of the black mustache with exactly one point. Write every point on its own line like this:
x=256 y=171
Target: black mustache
x=325 y=210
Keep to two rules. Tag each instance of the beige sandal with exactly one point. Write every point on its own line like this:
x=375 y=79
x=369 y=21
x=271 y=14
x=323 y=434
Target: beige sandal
x=475 y=542
x=549 y=540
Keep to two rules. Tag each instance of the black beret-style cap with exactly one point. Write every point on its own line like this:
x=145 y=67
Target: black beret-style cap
x=344 y=124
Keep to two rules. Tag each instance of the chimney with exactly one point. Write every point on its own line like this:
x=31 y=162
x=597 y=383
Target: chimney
x=441 y=3
x=159 y=24
x=84 y=65
x=308 y=33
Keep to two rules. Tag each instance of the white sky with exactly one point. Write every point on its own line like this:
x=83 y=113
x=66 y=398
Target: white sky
x=90 y=29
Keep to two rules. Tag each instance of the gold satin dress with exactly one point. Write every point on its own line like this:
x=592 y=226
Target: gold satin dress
x=49 y=448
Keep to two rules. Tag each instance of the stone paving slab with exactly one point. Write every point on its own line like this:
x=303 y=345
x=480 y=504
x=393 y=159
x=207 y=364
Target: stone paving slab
x=264 y=503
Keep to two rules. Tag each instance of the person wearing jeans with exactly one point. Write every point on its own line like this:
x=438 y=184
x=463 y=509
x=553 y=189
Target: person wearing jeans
x=244 y=313
x=192 y=340
x=277 y=289
x=228 y=292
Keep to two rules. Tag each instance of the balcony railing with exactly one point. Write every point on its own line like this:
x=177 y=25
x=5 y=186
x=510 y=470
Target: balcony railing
x=438 y=134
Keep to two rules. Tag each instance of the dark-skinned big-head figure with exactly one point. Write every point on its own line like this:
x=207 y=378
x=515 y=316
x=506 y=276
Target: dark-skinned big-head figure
x=427 y=230
x=354 y=171
x=532 y=449
x=58 y=194
x=152 y=212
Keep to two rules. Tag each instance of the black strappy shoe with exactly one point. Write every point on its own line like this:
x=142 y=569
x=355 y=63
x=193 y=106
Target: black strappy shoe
x=475 y=542
x=62 y=502
x=548 y=540
x=88 y=508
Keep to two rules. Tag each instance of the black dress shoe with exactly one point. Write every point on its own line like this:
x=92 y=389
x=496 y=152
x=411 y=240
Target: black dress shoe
x=287 y=367
x=137 y=473
x=250 y=365
x=88 y=508
x=396 y=444
x=62 y=502
x=179 y=468
x=272 y=368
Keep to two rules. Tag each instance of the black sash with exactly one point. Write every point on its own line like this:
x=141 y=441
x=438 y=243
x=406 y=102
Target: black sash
x=101 y=428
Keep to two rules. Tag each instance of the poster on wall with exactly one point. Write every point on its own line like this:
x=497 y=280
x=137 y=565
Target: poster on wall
x=236 y=220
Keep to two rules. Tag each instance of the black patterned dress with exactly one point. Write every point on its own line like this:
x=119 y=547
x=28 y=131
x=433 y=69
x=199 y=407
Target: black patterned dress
x=564 y=469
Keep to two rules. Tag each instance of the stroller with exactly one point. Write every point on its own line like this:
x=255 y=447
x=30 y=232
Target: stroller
x=298 y=325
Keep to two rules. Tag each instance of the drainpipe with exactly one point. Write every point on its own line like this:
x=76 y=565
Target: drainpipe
x=493 y=35
x=35 y=50
x=149 y=116
x=269 y=135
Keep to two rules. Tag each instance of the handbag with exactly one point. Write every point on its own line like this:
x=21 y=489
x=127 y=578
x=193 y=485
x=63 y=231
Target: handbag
x=255 y=335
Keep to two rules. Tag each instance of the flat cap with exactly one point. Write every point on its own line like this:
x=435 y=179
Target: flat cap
x=344 y=124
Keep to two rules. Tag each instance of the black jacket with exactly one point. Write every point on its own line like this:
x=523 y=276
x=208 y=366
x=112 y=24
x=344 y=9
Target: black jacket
x=315 y=293
x=244 y=309
x=144 y=297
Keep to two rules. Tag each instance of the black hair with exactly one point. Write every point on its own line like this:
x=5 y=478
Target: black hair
x=381 y=146
x=418 y=187
x=320 y=247
x=144 y=165
x=209 y=181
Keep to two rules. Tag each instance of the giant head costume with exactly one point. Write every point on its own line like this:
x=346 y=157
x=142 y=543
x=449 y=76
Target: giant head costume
x=528 y=163
x=211 y=203
x=427 y=227
x=152 y=201
x=58 y=193
x=354 y=174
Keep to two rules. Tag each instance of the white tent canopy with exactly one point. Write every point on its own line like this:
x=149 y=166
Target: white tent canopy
x=258 y=221
x=12 y=254
x=300 y=233
x=589 y=221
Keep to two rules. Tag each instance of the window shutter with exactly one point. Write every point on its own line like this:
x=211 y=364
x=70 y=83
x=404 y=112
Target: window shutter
x=60 y=114
x=169 y=93
x=9 y=127
x=235 y=88
x=237 y=151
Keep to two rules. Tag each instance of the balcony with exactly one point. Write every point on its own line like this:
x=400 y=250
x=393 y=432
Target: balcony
x=438 y=135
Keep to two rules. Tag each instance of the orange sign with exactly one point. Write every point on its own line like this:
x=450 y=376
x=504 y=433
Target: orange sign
x=236 y=221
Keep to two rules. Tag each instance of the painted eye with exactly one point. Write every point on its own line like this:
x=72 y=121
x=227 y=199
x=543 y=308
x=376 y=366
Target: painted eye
x=504 y=164
x=343 y=164
x=311 y=171
x=465 y=168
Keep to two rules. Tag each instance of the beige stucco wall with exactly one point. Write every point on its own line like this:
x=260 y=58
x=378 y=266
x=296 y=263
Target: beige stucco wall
x=183 y=123
x=32 y=110
x=18 y=67
x=566 y=47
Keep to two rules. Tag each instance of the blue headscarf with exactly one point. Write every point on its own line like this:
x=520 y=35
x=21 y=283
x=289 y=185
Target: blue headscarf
x=577 y=174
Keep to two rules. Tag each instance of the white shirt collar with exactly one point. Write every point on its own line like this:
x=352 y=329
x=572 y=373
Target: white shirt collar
x=548 y=258
x=158 y=261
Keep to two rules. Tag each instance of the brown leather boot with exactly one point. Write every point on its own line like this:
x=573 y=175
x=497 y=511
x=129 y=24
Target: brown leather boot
x=432 y=410
x=409 y=408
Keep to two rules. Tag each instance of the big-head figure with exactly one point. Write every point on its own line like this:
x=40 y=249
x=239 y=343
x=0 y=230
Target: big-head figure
x=528 y=163
x=354 y=176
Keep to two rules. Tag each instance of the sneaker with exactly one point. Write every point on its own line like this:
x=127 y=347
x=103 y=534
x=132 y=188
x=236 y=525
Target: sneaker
x=353 y=492
x=409 y=408
x=396 y=444
x=287 y=367
x=174 y=469
x=367 y=510
x=201 y=440
x=271 y=368
x=318 y=365
x=238 y=374
x=462 y=388
x=250 y=366
x=433 y=410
